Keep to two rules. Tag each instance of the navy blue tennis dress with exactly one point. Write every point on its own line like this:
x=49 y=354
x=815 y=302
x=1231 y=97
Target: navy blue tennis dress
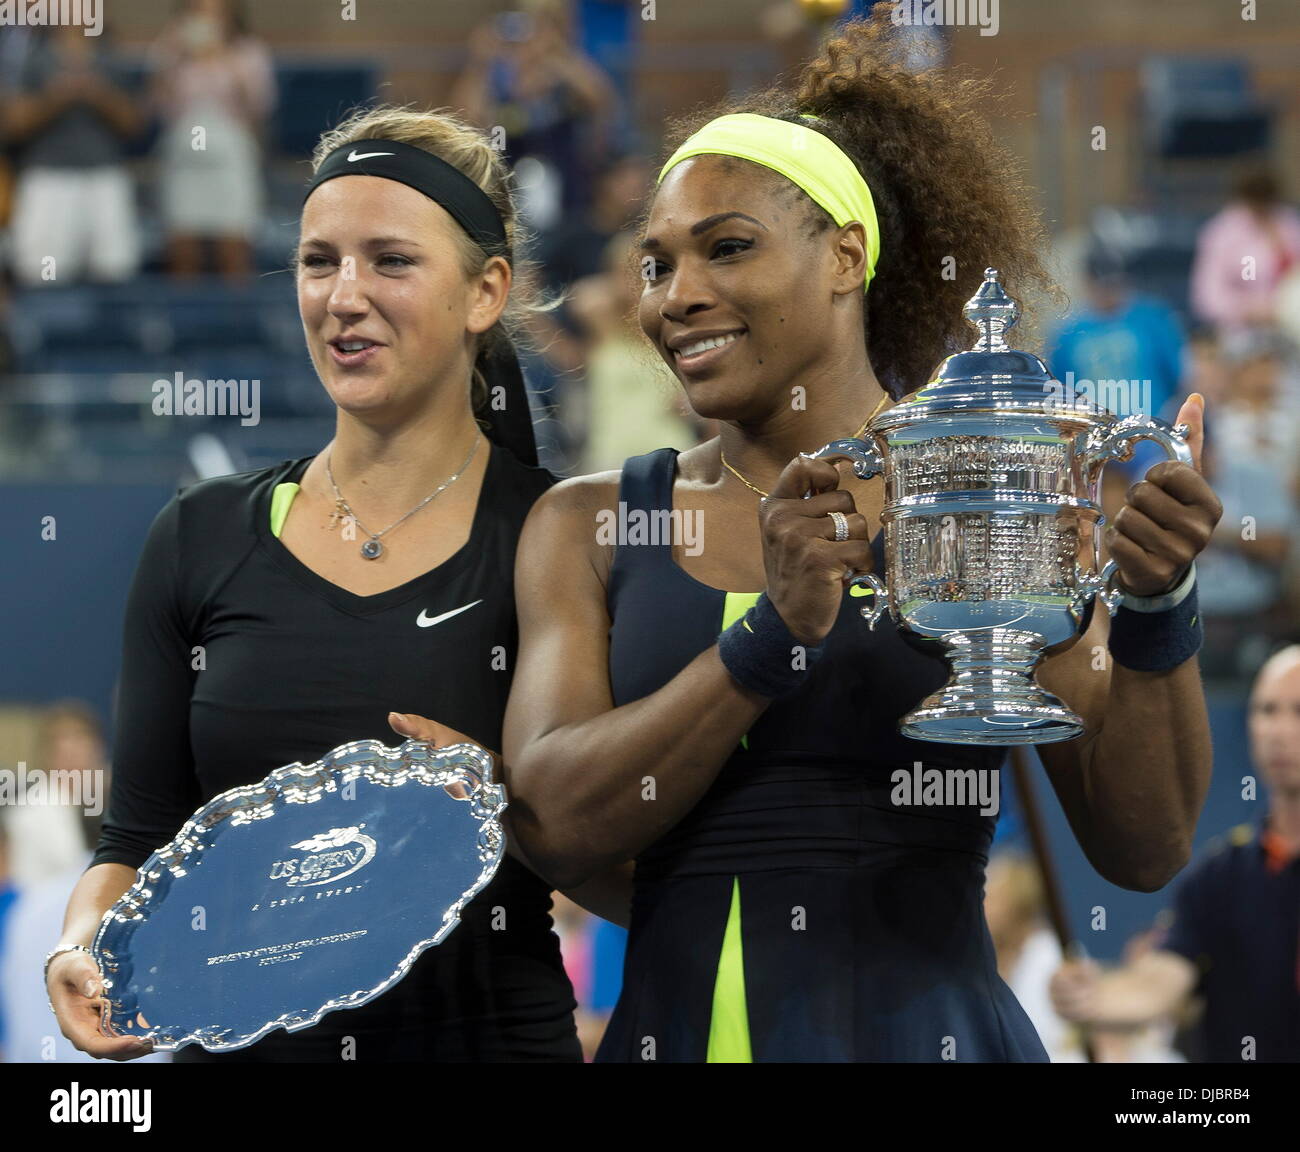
x=796 y=913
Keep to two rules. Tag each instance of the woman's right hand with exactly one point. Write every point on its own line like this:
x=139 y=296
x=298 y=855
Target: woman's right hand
x=1073 y=989
x=74 y=985
x=806 y=568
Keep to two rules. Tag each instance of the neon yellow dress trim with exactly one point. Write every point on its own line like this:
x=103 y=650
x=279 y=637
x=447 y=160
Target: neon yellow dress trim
x=729 y=1023
x=729 y=1020
x=281 y=498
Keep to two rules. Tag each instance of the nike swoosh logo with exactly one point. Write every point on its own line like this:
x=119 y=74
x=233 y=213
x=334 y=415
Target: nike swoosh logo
x=858 y=590
x=429 y=622
x=355 y=155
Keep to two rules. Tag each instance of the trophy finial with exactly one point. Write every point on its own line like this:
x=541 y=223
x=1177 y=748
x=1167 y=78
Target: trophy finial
x=992 y=311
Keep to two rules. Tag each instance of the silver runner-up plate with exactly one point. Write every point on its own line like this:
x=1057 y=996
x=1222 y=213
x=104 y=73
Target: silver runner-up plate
x=311 y=891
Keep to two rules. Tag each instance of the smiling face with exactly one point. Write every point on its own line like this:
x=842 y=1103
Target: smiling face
x=380 y=271
x=734 y=264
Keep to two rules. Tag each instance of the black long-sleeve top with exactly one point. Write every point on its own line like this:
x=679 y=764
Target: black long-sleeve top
x=238 y=658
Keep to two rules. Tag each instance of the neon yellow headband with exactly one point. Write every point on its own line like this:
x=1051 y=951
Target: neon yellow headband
x=802 y=155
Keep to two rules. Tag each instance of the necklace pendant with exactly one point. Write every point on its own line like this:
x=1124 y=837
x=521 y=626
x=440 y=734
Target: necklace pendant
x=372 y=549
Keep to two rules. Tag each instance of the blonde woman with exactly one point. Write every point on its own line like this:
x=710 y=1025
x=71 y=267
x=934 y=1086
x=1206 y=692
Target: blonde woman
x=336 y=593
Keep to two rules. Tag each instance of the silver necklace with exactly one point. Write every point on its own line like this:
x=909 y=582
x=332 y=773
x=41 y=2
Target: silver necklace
x=372 y=549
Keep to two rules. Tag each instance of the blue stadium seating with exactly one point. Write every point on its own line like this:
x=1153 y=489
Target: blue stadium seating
x=314 y=95
x=1199 y=107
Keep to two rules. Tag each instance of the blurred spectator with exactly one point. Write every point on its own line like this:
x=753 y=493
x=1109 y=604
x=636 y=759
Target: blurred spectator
x=48 y=830
x=635 y=402
x=1124 y=348
x=1206 y=371
x=71 y=740
x=593 y=957
x=48 y=849
x=35 y=919
x=526 y=77
x=577 y=248
x=15 y=42
x=1251 y=460
x=1288 y=326
x=1233 y=934
x=1028 y=954
x=608 y=950
x=214 y=87
x=1243 y=253
x=66 y=115
x=8 y=893
x=1150 y=1043
x=1027 y=949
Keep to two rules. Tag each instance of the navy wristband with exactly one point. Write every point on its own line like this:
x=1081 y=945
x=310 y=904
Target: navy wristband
x=1156 y=641
x=758 y=650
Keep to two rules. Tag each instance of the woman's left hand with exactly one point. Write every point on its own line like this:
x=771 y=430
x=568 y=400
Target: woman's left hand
x=1167 y=518
x=440 y=736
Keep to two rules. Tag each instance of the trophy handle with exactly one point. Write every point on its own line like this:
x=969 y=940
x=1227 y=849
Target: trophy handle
x=1116 y=443
x=867 y=462
x=872 y=612
x=1104 y=585
x=865 y=455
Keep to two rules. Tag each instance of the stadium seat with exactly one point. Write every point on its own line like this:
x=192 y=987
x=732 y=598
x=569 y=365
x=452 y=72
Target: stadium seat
x=1198 y=107
x=313 y=95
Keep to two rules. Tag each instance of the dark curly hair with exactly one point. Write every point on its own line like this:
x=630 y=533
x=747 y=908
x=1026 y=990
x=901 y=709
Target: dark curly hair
x=947 y=194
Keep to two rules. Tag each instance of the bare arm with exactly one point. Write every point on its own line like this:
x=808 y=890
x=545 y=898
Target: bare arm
x=1132 y=787
x=589 y=83
x=592 y=784
x=469 y=91
x=98 y=889
x=73 y=981
x=1151 y=988
x=23 y=115
x=607 y=894
x=120 y=111
x=1134 y=784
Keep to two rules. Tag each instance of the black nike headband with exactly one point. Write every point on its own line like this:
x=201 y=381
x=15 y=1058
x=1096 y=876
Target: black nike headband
x=441 y=182
x=467 y=203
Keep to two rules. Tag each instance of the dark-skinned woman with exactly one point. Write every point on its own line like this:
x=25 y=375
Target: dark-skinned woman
x=783 y=907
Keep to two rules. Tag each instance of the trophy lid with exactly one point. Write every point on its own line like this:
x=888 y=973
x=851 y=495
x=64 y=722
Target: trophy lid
x=990 y=374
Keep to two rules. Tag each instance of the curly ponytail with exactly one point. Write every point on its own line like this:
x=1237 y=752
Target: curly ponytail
x=949 y=198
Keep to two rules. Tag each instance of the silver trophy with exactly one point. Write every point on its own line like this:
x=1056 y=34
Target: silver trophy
x=311 y=891
x=991 y=524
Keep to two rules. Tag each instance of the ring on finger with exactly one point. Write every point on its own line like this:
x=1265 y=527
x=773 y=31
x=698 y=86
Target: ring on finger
x=841 y=526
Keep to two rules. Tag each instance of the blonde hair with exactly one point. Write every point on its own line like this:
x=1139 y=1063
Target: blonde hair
x=1024 y=885
x=442 y=133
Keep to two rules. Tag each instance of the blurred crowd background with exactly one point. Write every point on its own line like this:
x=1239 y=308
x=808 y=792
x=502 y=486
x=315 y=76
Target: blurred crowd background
x=172 y=259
